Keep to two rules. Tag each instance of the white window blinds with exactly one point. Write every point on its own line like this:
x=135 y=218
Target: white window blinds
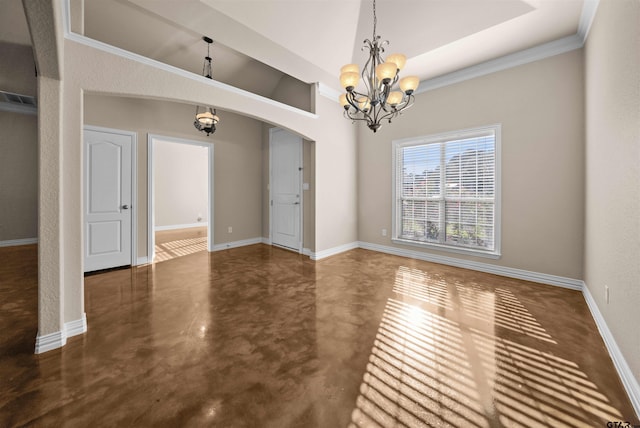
x=446 y=190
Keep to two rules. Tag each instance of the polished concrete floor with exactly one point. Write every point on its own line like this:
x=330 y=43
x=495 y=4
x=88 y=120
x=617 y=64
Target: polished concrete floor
x=262 y=337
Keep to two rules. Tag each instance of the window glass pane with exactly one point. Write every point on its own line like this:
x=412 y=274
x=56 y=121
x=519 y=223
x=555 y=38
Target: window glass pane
x=469 y=166
x=447 y=191
x=421 y=171
x=420 y=220
x=469 y=224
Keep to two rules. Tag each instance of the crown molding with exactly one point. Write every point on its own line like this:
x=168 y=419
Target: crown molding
x=589 y=9
x=536 y=53
x=328 y=92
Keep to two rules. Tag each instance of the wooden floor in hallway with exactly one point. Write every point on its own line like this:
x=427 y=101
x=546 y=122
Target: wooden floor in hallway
x=263 y=337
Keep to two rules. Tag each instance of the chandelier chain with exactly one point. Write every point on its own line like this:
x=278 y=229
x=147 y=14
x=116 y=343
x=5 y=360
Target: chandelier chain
x=375 y=20
x=208 y=119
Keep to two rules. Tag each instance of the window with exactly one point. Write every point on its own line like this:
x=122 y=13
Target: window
x=447 y=191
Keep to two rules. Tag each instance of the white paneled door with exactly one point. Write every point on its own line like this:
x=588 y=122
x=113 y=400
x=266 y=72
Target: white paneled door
x=286 y=197
x=107 y=199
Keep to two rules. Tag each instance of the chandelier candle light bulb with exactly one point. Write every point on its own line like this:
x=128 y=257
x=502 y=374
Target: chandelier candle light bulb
x=379 y=101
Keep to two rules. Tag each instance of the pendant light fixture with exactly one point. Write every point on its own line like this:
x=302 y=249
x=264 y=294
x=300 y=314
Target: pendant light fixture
x=208 y=119
x=380 y=101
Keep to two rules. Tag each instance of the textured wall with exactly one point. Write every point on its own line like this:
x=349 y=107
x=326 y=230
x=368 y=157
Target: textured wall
x=612 y=250
x=540 y=106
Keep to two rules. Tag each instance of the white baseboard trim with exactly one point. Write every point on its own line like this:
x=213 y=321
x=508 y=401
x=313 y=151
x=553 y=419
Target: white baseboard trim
x=58 y=339
x=266 y=241
x=17 y=242
x=142 y=261
x=332 y=251
x=235 y=244
x=306 y=252
x=50 y=341
x=560 y=281
x=76 y=327
x=180 y=226
x=629 y=381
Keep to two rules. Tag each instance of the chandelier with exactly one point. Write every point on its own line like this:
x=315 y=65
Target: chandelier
x=380 y=101
x=208 y=119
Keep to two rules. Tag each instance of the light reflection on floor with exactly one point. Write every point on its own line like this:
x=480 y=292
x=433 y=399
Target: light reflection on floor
x=438 y=360
x=178 y=248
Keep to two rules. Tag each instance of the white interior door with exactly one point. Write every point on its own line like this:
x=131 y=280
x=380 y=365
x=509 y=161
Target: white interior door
x=107 y=199
x=285 y=151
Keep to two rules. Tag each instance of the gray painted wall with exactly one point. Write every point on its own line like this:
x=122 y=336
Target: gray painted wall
x=18 y=148
x=540 y=107
x=237 y=158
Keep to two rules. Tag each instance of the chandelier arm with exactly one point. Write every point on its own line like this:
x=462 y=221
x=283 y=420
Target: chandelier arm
x=390 y=115
x=351 y=99
x=385 y=93
x=388 y=108
x=408 y=104
x=387 y=114
x=368 y=71
x=354 y=118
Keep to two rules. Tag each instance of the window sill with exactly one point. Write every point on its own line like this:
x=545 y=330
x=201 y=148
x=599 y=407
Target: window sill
x=447 y=248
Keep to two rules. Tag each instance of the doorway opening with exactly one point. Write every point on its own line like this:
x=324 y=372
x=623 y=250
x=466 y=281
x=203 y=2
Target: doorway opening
x=180 y=197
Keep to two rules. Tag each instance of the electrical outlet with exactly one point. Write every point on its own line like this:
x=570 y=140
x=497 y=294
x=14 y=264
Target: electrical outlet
x=606 y=293
x=230 y=229
x=384 y=232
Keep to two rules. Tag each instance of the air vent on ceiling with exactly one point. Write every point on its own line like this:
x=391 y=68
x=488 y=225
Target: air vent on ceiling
x=18 y=103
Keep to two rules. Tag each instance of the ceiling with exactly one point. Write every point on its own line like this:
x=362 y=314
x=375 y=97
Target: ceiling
x=257 y=42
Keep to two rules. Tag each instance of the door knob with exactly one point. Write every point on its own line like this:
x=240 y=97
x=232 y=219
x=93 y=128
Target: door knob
x=296 y=203
x=125 y=207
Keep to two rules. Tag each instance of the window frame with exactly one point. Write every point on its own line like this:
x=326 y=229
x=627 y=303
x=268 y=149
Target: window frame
x=444 y=137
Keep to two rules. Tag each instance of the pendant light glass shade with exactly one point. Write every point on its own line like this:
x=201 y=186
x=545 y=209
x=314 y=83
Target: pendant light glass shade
x=349 y=79
x=409 y=84
x=206 y=121
x=398 y=59
x=385 y=72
